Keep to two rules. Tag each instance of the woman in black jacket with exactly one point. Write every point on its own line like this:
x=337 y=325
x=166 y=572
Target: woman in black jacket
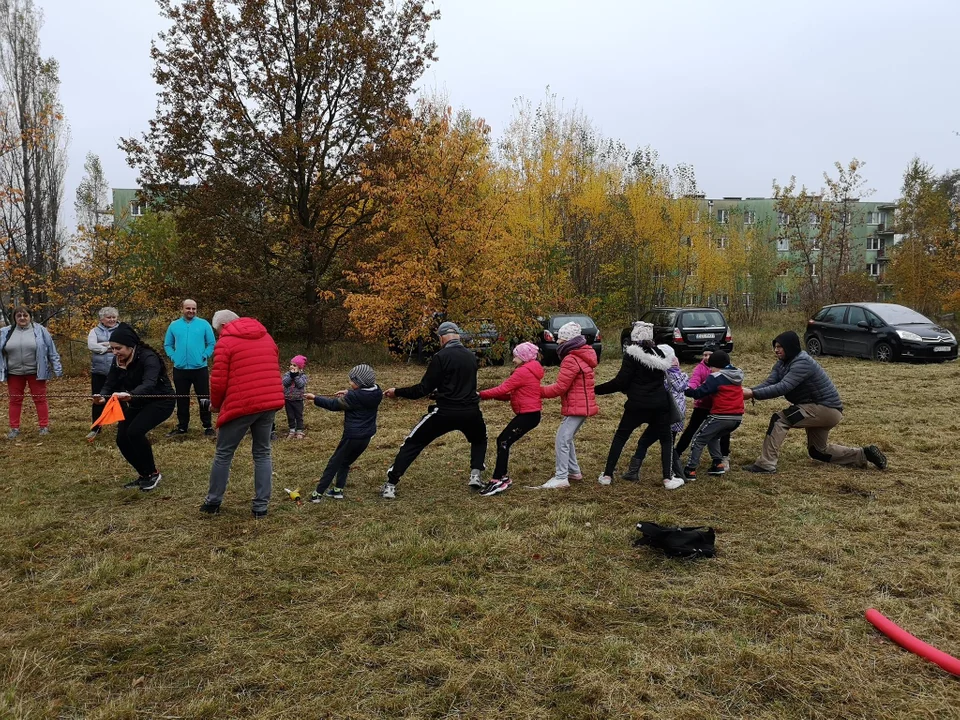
x=641 y=378
x=139 y=380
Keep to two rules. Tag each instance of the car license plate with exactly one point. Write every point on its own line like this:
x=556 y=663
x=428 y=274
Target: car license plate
x=942 y=348
x=705 y=336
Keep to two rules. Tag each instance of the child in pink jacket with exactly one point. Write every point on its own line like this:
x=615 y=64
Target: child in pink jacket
x=522 y=389
x=575 y=388
x=701 y=408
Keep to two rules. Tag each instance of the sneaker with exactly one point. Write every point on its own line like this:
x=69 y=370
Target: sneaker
x=690 y=473
x=475 y=481
x=872 y=454
x=150 y=482
x=604 y=479
x=495 y=487
x=316 y=497
x=672 y=483
x=726 y=463
x=209 y=432
x=92 y=435
x=717 y=468
x=291 y=435
x=754 y=468
x=44 y=431
x=553 y=483
x=176 y=432
x=299 y=435
x=334 y=492
x=210 y=508
x=134 y=484
x=259 y=514
x=575 y=476
x=273 y=435
x=12 y=435
x=388 y=491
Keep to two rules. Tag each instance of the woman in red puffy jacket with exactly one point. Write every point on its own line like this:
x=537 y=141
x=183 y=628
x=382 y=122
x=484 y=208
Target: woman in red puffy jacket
x=522 y=389
x=574 y=387
x=246 y=388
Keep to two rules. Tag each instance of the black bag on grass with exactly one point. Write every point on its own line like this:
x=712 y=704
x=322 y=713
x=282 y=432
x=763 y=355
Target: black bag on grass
x=684 y=542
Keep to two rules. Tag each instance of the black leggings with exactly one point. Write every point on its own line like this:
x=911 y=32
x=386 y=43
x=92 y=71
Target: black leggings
x=519 y=426
x=659 y=421
x=696 y=420
x=132 y=434
x=343 y=457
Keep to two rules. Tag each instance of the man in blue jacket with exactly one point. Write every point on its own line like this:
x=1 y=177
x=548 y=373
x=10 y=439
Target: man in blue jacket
x=189 y=344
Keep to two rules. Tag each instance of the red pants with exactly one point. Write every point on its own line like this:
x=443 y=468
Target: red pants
x=16 y=386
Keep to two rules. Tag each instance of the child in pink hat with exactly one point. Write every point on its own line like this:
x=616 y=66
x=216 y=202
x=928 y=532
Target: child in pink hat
x=294 y=386
x=522 y=389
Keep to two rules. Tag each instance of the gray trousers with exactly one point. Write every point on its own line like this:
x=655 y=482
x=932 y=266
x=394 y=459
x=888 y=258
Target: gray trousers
x=708 y=436
x=567 y=464
x=229 y=436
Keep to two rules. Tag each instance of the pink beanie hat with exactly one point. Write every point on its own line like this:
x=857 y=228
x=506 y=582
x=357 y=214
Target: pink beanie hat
x=526 y=351
x=299 y=360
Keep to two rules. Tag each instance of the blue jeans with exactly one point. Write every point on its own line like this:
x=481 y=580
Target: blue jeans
x=229 y=436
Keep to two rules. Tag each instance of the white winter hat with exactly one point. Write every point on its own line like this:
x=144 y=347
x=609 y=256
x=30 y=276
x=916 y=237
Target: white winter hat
x=668 y=352
x=569 y=331
x=641 y=331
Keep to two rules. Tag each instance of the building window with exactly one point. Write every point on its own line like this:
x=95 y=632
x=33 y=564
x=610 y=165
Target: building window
x=782 y=298
x=783 y=219
x=813 y=269
x=747 y=299
x=136 y=209
x=688 y=241
x=873 y=269
x=723 y=300
x=784 y=270
x=873 y=243
x=814 y=219
x=721 y=243
x=873 y=218
x=783 y=244
x=749 y=217
x=723 y=216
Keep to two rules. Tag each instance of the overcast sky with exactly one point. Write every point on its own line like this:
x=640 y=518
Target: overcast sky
x=744 y=90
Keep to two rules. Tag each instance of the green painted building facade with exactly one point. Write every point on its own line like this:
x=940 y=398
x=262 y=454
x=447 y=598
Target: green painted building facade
x=127 y=206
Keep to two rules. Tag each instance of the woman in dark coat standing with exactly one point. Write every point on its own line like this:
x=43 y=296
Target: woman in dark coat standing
x=139 y=380
x=641 y=378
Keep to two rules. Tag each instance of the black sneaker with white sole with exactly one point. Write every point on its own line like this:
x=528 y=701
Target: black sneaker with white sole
x=210 y=508
x=716 y=469
x=872 y=454
x=150 y=482
x=134 y=484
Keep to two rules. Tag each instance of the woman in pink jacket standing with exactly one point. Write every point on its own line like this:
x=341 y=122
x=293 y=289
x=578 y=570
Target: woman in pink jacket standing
x=522 y=389
x=574 y=387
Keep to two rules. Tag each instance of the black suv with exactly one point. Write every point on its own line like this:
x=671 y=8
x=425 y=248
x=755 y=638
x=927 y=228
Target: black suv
x=686 y=329
x=882 y=331
x=547 y=339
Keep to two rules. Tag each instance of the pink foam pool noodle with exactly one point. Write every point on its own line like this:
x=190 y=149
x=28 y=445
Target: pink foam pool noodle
x=914 y=645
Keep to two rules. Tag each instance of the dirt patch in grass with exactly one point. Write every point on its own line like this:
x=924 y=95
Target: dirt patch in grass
x=443 y=604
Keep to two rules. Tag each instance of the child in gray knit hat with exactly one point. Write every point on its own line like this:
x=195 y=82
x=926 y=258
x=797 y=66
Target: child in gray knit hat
x=359 y=406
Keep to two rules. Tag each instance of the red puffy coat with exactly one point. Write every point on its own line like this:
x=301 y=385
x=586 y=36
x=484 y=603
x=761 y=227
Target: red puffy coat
x=246 y=371
x=574 y=385
x=522 y=389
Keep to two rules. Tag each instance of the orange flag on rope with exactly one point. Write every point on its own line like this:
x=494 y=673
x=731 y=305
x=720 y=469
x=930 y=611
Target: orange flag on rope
x=112 y=412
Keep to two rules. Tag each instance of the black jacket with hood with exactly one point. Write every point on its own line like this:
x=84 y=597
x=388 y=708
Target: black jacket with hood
x=641 y=378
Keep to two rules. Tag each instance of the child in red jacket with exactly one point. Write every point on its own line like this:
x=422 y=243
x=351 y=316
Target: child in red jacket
x=725 y=386
x=522 y=389
x=575 y=388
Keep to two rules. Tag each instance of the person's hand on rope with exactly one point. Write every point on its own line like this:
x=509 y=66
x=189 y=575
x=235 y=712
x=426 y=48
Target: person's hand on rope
x=309 y=396
x=122 y=396
x=98 y=400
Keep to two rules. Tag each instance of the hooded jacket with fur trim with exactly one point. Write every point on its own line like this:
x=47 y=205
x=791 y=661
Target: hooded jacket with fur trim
x=641 y=378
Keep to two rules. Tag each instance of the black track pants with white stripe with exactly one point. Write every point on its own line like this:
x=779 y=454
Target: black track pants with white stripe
x=434 y=425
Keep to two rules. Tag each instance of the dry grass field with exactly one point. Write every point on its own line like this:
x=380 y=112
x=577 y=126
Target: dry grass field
x=442 y=604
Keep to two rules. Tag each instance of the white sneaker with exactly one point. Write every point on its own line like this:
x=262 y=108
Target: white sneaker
x=726 y=463
x=604 y=479
x=475 y=480
x=388 y=491
x=553 y=483
x=672 y=483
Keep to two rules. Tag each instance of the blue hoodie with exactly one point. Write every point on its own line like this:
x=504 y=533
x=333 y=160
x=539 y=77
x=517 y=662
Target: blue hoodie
x=189 y=344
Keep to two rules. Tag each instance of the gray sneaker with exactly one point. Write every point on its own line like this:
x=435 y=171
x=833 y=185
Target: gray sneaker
x=44 y=431
x=12 y=435
x=475 y=481
x=388 y=491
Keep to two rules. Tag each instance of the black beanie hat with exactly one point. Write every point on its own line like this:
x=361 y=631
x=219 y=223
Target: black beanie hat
x=719 y=359
x=123 y=334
